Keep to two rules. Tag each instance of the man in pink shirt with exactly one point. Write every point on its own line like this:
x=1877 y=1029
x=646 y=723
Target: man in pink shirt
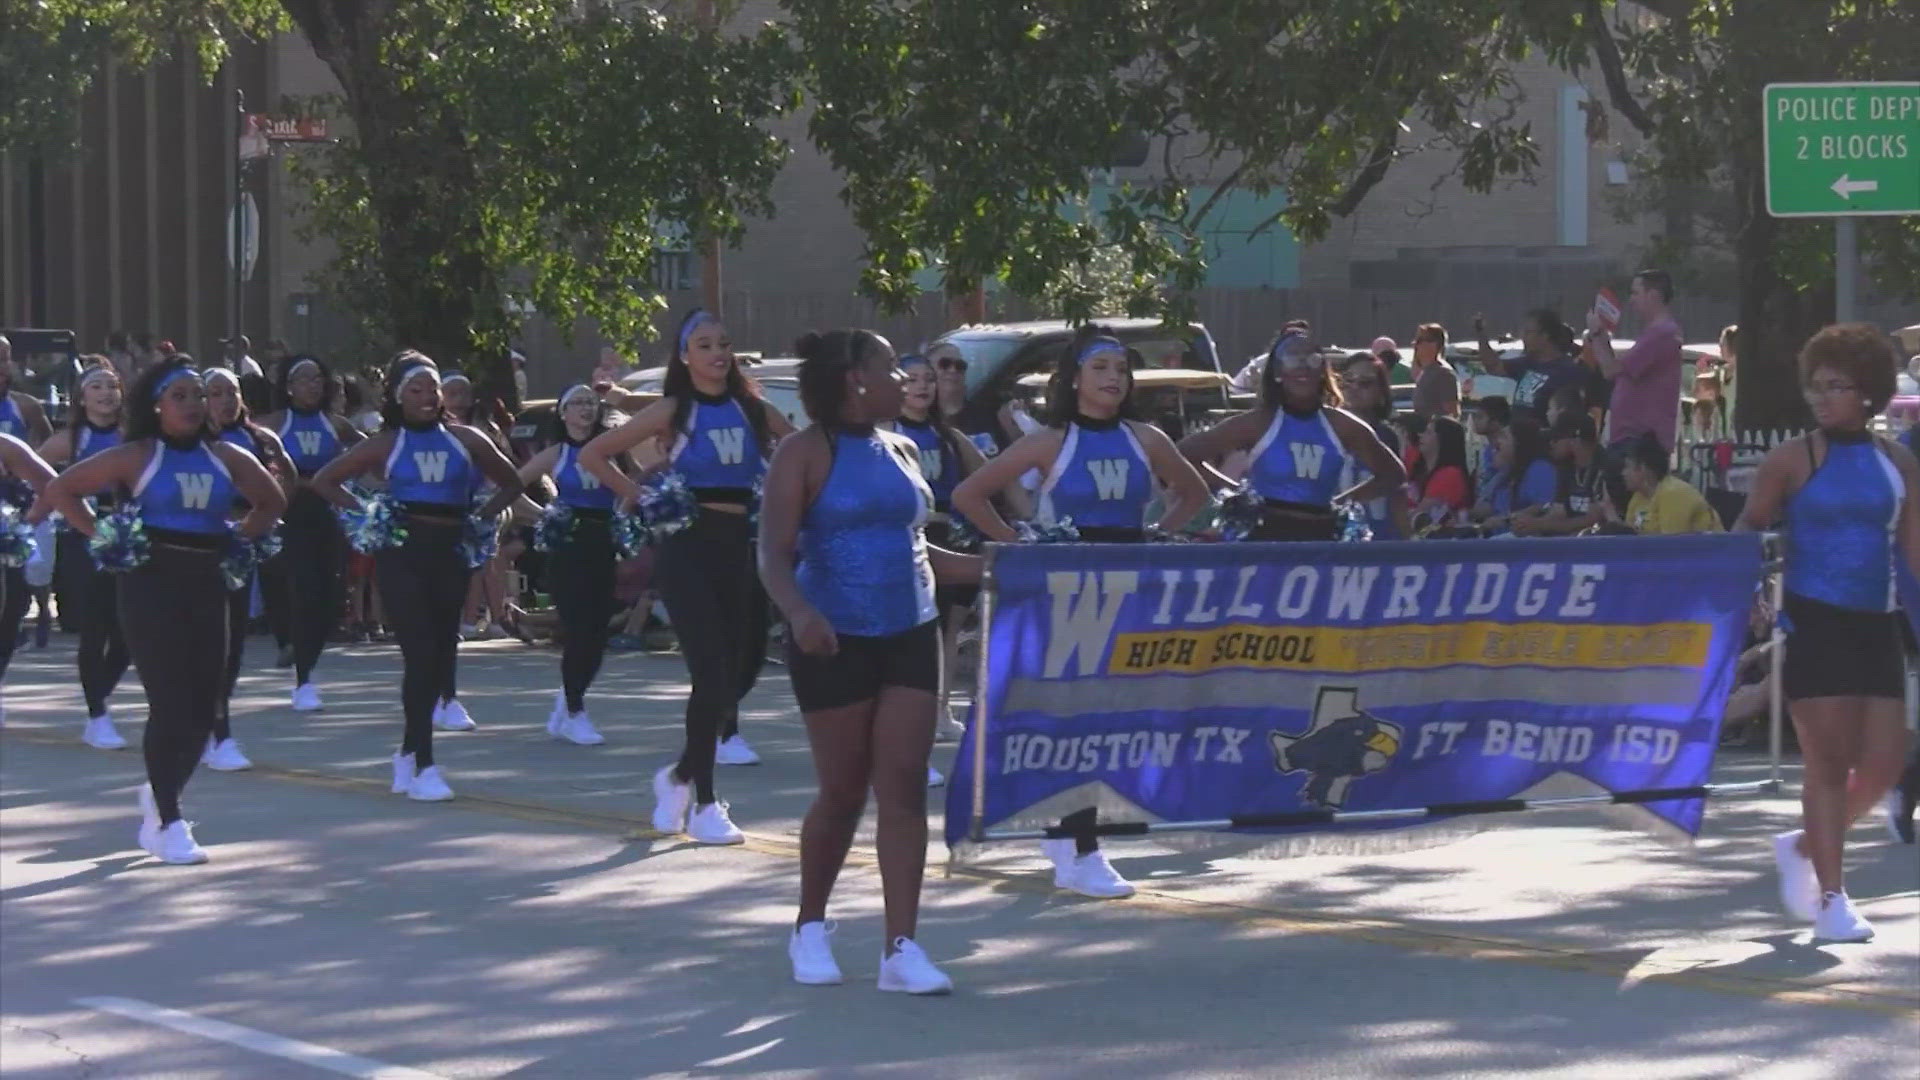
x=1646 y=378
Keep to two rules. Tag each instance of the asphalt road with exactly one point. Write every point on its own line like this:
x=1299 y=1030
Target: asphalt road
x=532 y=928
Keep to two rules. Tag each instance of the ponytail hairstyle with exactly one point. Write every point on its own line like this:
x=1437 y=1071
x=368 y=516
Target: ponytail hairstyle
x=285 y=375
x=678 y=387
x=1063 y=401
x=140 y=407
x=403 y=365
x=825 y=360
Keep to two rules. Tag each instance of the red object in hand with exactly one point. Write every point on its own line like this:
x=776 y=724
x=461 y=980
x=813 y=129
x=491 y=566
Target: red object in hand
x=1723 y=456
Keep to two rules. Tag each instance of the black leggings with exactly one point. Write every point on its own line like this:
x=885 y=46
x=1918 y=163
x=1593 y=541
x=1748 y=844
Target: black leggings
x=580 y=577
x=15 y=597
x=174 y=609
x=102 y=657
x=423 y=583
x=311 y=564
x=707 y=579
x=239 y=605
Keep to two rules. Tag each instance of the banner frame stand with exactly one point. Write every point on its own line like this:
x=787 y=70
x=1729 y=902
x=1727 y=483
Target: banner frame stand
x=1772 y=564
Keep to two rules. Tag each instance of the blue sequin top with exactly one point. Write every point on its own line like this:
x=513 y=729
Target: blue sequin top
x=938 y=463
x=1841 y=527
x=862 y=555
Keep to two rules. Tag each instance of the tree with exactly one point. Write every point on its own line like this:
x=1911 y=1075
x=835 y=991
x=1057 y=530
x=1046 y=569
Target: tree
x=967 y=129
x=1688 y=76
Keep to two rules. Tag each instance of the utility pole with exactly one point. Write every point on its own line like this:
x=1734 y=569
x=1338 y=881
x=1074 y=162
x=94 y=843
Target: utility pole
x=710 y=262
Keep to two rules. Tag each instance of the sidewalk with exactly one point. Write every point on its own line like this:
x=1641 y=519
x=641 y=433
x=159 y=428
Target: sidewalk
x=1561 y=891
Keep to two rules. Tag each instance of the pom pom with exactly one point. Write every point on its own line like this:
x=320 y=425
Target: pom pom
x=667 y=506
x=119 y=541
x=554 y=528
x=630 y=535
x=1058 y=532
x=243 y=556
x=1239 y=513
x=60 y=520
x=376 y=525
x=1354 y=526
x=753 y=504
x=961 y=535
x=17 y=543
x=479 y=540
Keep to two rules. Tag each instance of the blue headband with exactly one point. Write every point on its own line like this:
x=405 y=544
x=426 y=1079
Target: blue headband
x=694 y=322
x=172 y=377
x=914 y=359
x=1099 y=345
x=1280 y=345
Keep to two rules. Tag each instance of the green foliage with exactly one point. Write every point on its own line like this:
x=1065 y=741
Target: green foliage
x=967 y=129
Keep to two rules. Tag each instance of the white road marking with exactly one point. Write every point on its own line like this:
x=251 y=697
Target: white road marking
x=260 y=1042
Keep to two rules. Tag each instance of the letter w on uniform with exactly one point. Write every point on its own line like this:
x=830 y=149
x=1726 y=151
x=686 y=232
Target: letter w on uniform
x=309 y=442
x=1109 y=477
x=432 y=465
x=730 y=443
x=1307 y=459
x=196 y=489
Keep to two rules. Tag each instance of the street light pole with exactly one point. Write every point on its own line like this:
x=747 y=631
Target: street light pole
x=238 y=222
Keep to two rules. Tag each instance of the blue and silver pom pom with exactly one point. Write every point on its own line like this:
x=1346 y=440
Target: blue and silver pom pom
x=60 y=520
x=1058 y=532
x=1239 y=513
x=243 y=556
x=1354 y=526
x=120 y=540
x=961 y=535
x=753 y=503
x=667 y=506
x=630 y=535
x=377 y=525
x=479 y=540
x=17 y=543
x=554 y=528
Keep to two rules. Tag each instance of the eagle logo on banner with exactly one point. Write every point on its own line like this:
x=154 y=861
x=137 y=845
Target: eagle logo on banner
x=1342 y=744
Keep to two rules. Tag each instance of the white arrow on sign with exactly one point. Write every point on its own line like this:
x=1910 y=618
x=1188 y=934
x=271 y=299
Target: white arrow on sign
x=1847 y=189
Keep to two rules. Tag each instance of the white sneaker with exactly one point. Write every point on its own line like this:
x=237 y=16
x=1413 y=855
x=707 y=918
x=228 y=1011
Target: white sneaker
x=450 y=715
x=735 y=751
x=101 y=734
x=934 y=779
x=1092 y=875
x=429 y=786
x=175 y=844
x=557 y=714
x=306 y=698
x=579 y=730
x=950 y=728
x=1838 y=921
x=711 y=825
x=812 y=955
x=671 y=801
x=1799 y=887
x=908 y=971
x=149 y=836
x=402 y=773
x=225 y=756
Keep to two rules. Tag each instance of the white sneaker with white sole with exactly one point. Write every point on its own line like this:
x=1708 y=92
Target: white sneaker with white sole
x=908 y=971
x=450 y=715
x=710 y=824
x=1799 y=887
x=578 y=730
x=672 y=798
x=429 y=786
x=402 y=773
x=224 y=756
x=557 y=713
x=1838 y=921
x=949 y=728
x=812 y=955
x=101 y=734
x=149 y=835
x=735 y=751
x=306 y=698
x=175 y=845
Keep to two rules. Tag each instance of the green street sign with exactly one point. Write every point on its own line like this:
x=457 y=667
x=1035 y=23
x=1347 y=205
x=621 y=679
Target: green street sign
x=1842 y=149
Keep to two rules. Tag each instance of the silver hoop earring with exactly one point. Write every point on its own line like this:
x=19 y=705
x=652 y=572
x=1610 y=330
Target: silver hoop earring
x=860 y=390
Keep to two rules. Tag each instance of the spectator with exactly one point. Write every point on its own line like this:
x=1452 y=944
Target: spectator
x=1490 y=416
x=1527 y=476
x=120 y=353
x=517 y=360
x=1568 y=399
x=1549 y=361
x=1709 y=420
x=1663 y=504
x=1398 y=373
x=611 y=367
x=1728 y=364
x=1436 y=387
x=1447 y=489
x=1579 y=501
x=239 y=359
x=145 y=355
x=1646 y=380
x=1364 y=388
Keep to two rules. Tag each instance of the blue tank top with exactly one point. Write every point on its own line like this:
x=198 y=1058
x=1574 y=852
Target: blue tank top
x=185 y=490
x=430 y=466
x=1100 y=479
x=579 y=488
x=863 y=557
x=939 y=466
x=92 y=440
x=239 y=436
x=717 y=453
x=310 y=440
x=11 y=422
x=1841 y=527
x=1299 y=460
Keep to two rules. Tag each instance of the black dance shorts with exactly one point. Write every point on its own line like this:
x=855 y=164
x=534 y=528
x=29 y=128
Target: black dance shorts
x=909 y=659
x=948 y=597
x=1296 y=523
x=1839 y=652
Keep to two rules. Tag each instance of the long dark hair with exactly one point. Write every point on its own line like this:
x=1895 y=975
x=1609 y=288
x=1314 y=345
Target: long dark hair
x=391 y=415
x=825 y=360
x=1451 y=434
x=1529 y=445
x=557 y=425
x=280 y=378
x=1272 y=394
x=1063 y=401
x=678 y=386
x=77 y=414
x=140 y=409
x=950 y=436
x=1376 y=369
x=1557 y=332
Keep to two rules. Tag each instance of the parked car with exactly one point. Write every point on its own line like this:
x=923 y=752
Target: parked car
x=46 y=364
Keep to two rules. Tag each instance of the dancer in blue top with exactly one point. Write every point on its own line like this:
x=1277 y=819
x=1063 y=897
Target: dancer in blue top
x=302 y=586
x=21 y=414
x=174 y=606
x=227 y=420
x=432 y=470
x=1849 y=504
x=844 y=556
x=719 y=432
x=20 y=466
x=579 y=572
x=1298 y=440
x=89 y=591
x=1100 y=469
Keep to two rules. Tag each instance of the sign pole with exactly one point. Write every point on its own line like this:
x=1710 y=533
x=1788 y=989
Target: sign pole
x=1846 y=268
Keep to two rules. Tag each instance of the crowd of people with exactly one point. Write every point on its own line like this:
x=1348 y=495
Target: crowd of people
x=854 y=531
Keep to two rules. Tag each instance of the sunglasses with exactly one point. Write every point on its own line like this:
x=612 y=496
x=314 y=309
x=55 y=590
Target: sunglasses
x=950 y=363
x=1302 y=361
